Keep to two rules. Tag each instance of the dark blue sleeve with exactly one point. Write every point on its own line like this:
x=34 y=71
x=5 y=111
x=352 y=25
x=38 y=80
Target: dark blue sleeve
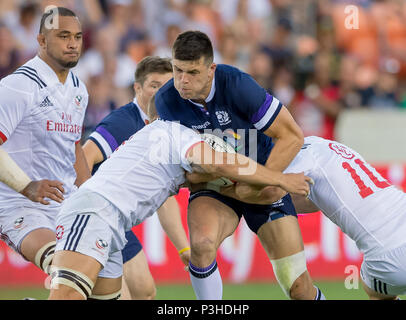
x=251 y=99
x=114 y=129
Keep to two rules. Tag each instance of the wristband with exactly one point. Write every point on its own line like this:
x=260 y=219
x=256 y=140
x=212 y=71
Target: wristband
x=183 y=250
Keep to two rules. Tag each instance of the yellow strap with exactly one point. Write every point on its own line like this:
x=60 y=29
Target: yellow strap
x=183 y=250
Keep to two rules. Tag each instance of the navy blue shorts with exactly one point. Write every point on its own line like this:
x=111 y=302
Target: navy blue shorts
x=254 y=214
x=132 y=247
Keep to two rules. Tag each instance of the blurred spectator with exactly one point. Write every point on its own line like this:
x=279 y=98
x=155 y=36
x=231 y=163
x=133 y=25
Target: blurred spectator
x=261 y=68
x=9 y=55
x=164 y=49
x=317 y=106
x=24 y=25
x=100 y=104
x=97 y=61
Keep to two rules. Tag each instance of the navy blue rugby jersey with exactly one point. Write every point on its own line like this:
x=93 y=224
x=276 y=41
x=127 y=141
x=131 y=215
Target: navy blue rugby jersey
x=237 y=107
x=117 y=127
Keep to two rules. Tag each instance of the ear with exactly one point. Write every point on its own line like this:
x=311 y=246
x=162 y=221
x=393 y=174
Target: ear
x=137 y=87
x=41 y=40
x=212 y=69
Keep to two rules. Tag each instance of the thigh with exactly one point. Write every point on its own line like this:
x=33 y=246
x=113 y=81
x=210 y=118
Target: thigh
x=212 y=219
x=281 y=237
x=138 y=279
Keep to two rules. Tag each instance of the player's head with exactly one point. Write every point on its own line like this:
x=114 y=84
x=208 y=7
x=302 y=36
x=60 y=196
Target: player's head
x=193 y=67
x=60 y=37
x=152 y=73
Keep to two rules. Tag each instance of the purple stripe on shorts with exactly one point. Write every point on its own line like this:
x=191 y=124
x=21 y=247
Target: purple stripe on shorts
x=263 y=109
x=108 y=137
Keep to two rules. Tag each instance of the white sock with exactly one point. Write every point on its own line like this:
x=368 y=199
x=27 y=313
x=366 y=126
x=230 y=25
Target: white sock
x=206 y=282
x=319 y=295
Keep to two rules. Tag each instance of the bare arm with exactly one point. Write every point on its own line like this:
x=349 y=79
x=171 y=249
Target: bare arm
x=288 y=140
x=92 y=154
x=81 y=167
x=170 y=218
x=243 y=169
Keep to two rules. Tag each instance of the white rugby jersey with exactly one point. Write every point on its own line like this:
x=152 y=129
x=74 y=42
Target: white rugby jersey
x=40 y=121
x=353 y=195
x=145 y=170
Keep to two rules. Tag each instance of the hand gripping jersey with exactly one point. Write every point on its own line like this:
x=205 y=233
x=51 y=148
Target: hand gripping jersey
x=143 y=172
x=40 y=121
x=353 y=195
x=236 y=105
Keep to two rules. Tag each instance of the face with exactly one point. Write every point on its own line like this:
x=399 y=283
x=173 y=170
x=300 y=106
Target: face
x=152 y=83
x=64 y=44
x=193 y=79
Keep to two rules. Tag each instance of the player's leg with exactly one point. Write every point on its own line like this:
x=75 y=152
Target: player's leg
x=138 y=279
x=31 y=233
x=210 y=221
x=39 y=247
x=73 y=275
x=278 y=230
x=138 y=283
x=108 y=284
x=282 y=241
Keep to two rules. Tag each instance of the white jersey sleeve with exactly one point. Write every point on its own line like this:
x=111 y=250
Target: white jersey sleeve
x=14 y=105
x=189 y=138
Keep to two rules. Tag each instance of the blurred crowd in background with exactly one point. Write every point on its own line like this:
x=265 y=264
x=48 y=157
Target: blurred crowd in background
x=318 y=57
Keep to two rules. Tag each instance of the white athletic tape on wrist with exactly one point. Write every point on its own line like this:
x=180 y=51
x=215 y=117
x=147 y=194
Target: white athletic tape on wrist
x=288 y=269
x=11 y=174
x=44 y=256
x=71 y=278
x=111 y=296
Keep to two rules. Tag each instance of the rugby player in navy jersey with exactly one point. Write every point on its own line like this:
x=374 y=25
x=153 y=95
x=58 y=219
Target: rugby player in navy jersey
x=206 y=96
x=112 y=131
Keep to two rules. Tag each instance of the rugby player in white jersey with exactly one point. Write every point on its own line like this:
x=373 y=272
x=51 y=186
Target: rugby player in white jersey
x=42 y=106
x=128 y=188
x=354 y=196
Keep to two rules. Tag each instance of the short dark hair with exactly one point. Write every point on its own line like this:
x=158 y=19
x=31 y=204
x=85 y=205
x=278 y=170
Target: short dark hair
x=61 y=11
x=152 y=64
x=191 y=46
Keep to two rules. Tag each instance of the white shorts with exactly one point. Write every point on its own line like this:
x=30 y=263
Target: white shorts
x=17 y=223
x=91 y=225
x=386 y=272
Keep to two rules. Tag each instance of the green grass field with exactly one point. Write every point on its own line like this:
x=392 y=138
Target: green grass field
x=248 y=291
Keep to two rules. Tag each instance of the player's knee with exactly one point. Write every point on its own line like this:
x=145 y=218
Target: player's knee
x=292 y=277
x=203 y=247
x=44 y=256
x=69 y=284
x=302 y=288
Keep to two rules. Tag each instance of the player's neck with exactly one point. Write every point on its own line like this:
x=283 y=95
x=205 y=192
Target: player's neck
x=61 y=72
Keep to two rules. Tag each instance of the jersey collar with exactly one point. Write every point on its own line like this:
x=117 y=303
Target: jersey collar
x=47 y=73
x=142 y=113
